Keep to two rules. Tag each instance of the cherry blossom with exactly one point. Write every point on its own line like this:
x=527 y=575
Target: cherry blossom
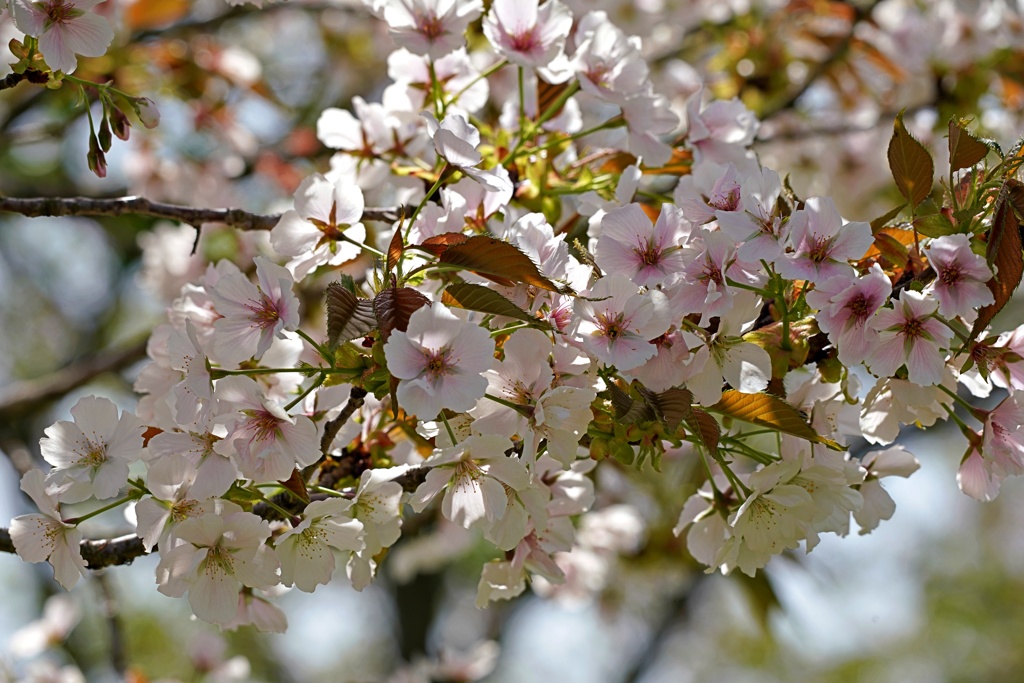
x=252 y=314
x=219 y=553
x=46 y=537
x=822 y=243
x=629 y=245
x=617 y=323
x=456 y=140
x=324 y=228
x=439 y=360
x=427 y=27
x=64 y=28
x=909 y=334
x=528 y=34
x=846 y=306
x=90 y=456
x=305 y=551
x=960 y=276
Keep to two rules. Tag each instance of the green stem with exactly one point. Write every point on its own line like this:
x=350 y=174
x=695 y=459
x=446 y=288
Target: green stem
x=117 y=503
x=448 y=428
x=287 y=515
x=426 y=198
x=304 y=394
x=365 y=247
x=489 y=71
x=976 y=413
x=615 y=122
x=510 y=328
x=101 y=87
x=319 y=349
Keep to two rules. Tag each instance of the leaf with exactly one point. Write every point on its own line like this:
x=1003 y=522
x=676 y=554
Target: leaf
x=393 y=306
x=671 y=406
x=705 y=427
x=628 y=410
x=965 y=150
x=296 y=485
x=1004 y=254
x=486 y=300
x=911 y=164
x=883 y=220
x=498 y=261
x=395 y=250
x=767 y=411
x=437 y=244
x=935 y=225
x=891 y=250
x=348 y=317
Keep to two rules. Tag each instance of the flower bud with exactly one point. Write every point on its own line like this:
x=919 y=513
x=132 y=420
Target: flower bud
x=120 y=124
x=104 y=136
x=96 y=159
x=147 y=112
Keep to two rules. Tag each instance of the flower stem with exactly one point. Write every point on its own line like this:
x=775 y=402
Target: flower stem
x=426 y=198
x=448 y=428
x=135 y=495
x=489 y=71
x=304 y=394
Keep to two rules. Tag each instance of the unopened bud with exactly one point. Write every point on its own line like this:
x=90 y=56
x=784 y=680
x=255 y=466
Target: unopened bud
x=120 y=124
x=147 y=112
x=95 y=158
x=105 y=138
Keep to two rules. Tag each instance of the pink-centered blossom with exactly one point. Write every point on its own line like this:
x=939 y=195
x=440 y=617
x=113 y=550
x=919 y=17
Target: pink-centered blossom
x=609 y=64
x=456 y=140
x=323 y=228
x=909 y=333
x=617 y=322
x=439 y=361
x=428 y=27
x=64 y=28
x=822 y=244
x=527 y=33
x=960 y=276
x=756 y=223
x=253 y=314
x=264 y=441
x=846 y=306
x=646 y=254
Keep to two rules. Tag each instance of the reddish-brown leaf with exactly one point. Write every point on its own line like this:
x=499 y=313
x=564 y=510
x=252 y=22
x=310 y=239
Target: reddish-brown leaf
x=393 y=307
x=395 y=249
x=1004 y=254
x=486 y=300
x=911 y=164
x=965 y=150
x=296 y=485
x=438 y=243
x=348 y=316
x=498 y=261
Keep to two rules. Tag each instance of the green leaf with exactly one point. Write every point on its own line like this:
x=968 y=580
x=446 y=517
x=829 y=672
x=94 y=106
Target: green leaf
x=935 y=225
x=767 y=411
x=348 y=316
x=965 y=150
x=1003 y=252
x=486 y=300
x=498 y=261
x=884 y=219
x=911 y=164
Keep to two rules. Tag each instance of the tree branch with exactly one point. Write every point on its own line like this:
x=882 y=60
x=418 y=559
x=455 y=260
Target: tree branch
x=119 y=206
x=20 y=398
x=97 y=554
x=30 y=75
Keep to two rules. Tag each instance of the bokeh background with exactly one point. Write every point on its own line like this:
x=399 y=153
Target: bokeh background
x=935 y=594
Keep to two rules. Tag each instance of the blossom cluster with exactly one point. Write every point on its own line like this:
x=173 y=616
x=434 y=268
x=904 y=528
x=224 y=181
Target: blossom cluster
x=565 y=288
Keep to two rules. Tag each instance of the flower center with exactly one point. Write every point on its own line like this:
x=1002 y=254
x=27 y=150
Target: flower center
x=95 y=456
x=437 y=364
x=525 y=41
x=951 y=275
x=613 y=328
x=650 y=255
x=263 y=423
x=858 y=306
x=914 y=328
x=265 y=313
x=819 y=250
x=58 y=12
x=430 y=26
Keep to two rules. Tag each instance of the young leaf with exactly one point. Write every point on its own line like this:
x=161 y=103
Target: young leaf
x=627 y=409
x=486 y=300
x=1004 y=254
x=348 y=317
x=704 y=426
x=911 y=164
x=767 y=411
x=437 y=244
x=965 y=150
x=393 y=307
x=498 y=261
x=671 y=406
x=395 y=250
x=296 y=485
x=883 y=220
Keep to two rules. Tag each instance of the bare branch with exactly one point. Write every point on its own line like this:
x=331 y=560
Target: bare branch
x=30 y=75
x=140 y=206
x=331 y=429
x=97 y=554
x=22 y=397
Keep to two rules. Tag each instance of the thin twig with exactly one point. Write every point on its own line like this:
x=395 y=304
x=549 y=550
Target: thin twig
x=30 y=75
x=97 y=554
x=355 y=402
x=120 y=206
